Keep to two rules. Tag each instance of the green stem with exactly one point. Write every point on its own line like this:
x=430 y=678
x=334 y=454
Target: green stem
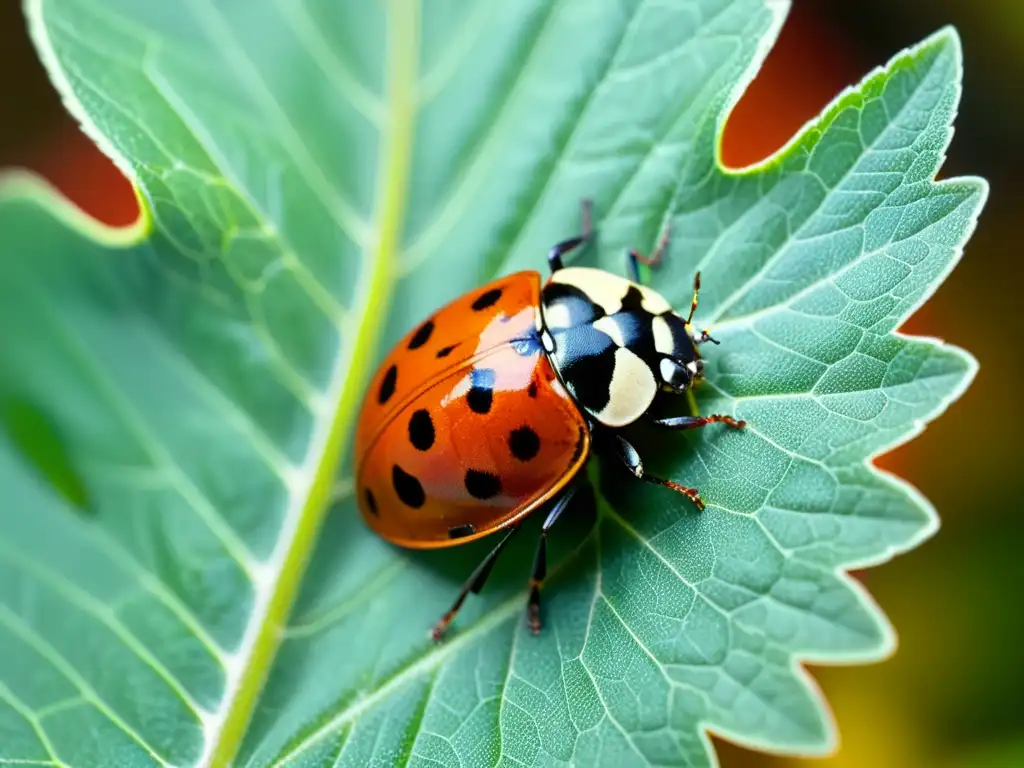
x=395 y=163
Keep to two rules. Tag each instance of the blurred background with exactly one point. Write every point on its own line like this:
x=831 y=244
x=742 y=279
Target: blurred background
x=953 y=694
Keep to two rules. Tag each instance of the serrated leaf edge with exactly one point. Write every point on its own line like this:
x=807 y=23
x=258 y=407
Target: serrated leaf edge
x=946 y=36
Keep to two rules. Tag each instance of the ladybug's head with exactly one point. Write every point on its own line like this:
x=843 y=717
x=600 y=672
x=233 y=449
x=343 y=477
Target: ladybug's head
x=680 y=364
x=615 y=343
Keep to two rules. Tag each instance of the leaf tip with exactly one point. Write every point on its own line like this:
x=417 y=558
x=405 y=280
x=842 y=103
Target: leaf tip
x=971 y=365
x=946 y=37
x=979 y=188
x=943 y=45
x=823 y=735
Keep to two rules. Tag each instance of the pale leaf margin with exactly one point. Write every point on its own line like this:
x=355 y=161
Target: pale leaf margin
x=241 y=696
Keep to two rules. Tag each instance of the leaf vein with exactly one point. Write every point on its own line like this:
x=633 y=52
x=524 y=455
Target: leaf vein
x=78 y=597
x=37 y=642
x=32 y=718
x=349 y=87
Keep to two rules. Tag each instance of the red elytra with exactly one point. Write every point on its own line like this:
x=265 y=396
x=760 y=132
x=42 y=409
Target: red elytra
x=465 y=429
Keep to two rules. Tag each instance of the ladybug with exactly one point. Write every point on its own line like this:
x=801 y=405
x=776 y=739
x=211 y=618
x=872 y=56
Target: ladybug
x=486 y=412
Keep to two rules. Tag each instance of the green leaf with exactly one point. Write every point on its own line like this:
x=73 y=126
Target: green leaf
x=317 y=176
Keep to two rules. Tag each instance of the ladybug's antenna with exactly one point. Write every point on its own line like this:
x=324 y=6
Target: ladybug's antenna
x=703 y=335
x=696 y=292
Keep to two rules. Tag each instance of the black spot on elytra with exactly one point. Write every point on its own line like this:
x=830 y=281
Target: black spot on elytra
x=461 y=531
x=421 y=430
x=387 y=385
x=445 y=351
x=422 y=335
x=408 y=488
x=482 y=485
x=487 y=299
x=524 y=443
x=371 y=502
x=531 y=390
x=481 y=393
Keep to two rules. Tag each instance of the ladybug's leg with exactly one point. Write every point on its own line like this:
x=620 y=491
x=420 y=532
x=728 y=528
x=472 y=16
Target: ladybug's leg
x=558 y=251
x=473 y=584
x=693 y=422
x=540 y=560
x=628 y=455
x=634 y=259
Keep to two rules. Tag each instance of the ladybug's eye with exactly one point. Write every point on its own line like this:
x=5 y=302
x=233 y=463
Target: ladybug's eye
x=678 y=375
x=674 y=374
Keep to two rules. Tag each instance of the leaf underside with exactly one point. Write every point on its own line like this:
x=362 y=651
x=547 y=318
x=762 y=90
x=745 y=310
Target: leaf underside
x=315 y=178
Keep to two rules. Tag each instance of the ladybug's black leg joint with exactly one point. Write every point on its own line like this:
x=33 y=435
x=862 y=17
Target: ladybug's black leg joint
x=634 y=259
x=703 y=336
x=628 y=455
x=540 y=559
x=473 y=584
x=561 y=249
x=695 y=422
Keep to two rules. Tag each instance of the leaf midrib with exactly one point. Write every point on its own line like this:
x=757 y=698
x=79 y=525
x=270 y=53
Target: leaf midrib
x=347 y=380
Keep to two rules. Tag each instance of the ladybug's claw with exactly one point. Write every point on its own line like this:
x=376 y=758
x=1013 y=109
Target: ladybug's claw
x=659 y=249
x=533 y=619
x=635 y=257
x=727 y=420
x=704 y=336
x=691 y=493
x=437 y=633
x=534 y=607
